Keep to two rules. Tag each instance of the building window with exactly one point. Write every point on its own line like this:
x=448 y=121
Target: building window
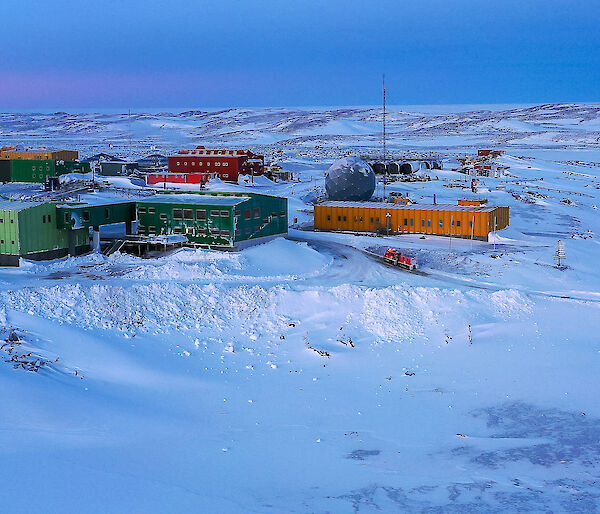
x=470 y=224
x=224 y=214
x=151 y=210
x=225 y=233
x=344 y=218
x=422 y=223
x=282 y=214
x=429 y=223
x=225 y=164
x=86 y=215
x=49 y=218
x=202 y=231
x=214 y=231
x=163 y=216
x=200 y=214
x=107 y=213
x=328 y=217
x=1 y=241
x=214 y=213
x=372 y=220
x=188 y=214
x=225 y=175
x=247 y=214
x=257 y=212
x=178 y=163
x=237 y=213
x=152 y=229
x=177 y=214
x=141 y=210
x=1 y=220
x=405 y=221
x=176 y=230
x=376 y=220
x=412 y=221
x=217 y=164
x=44 y=218
x=339 y=218
x=441 y=223
x=458 y=223
x=185 y=163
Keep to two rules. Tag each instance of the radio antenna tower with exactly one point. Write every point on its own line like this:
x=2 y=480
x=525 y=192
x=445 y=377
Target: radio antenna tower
x=383 y=86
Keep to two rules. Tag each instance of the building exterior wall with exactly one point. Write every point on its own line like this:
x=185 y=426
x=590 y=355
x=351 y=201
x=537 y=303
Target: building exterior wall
x=200 y=222
x=178 y=178
x=253 y=218
x=226 y=167
x=41 y=154
x=32 y=170
x=63 y=167
x=85 y=216
x=455 y=223
x=9 y=236
x=5 y=175
x=34 y=230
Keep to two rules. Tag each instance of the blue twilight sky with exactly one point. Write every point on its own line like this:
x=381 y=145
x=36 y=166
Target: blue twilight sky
x=193 y=53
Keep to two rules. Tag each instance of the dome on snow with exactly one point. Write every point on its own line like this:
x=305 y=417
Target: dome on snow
x=350 y=179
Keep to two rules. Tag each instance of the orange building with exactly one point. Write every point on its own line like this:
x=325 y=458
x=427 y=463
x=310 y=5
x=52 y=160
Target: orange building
x=465 y=221
x=41 y=154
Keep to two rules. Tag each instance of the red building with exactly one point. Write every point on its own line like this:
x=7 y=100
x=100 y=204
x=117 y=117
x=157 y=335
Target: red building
x=179 y=178
x=228 y=165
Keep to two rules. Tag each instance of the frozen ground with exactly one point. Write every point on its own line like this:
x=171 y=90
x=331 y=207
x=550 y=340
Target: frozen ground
x=304 y=375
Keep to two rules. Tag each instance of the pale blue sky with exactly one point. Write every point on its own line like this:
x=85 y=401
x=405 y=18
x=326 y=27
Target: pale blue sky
x=186 y=53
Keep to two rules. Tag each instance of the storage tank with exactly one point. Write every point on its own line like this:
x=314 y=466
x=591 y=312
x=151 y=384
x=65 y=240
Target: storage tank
x=409 y=167
x=393 y=168
x=350 y=179
x=379 y=168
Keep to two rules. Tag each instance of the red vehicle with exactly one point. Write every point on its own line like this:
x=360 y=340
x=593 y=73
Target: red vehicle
x=397 y=258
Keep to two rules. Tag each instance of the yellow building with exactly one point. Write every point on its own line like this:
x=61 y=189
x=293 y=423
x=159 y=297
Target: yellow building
x=41 y=154
x=465 y=221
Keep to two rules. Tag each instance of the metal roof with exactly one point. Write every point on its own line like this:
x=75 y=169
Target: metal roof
x=412 y=207
x=17 y=205
x=194 y=199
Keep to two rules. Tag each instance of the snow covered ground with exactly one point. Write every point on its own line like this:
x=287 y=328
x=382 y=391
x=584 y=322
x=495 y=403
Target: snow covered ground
x=303 y=375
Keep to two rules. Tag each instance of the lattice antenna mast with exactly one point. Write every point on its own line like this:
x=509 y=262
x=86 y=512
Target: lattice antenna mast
x=384 y=132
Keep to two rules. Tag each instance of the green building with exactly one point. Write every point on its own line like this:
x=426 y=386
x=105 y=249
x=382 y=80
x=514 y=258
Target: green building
x=34 y=170
x=30 y=230
x=232 y=220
